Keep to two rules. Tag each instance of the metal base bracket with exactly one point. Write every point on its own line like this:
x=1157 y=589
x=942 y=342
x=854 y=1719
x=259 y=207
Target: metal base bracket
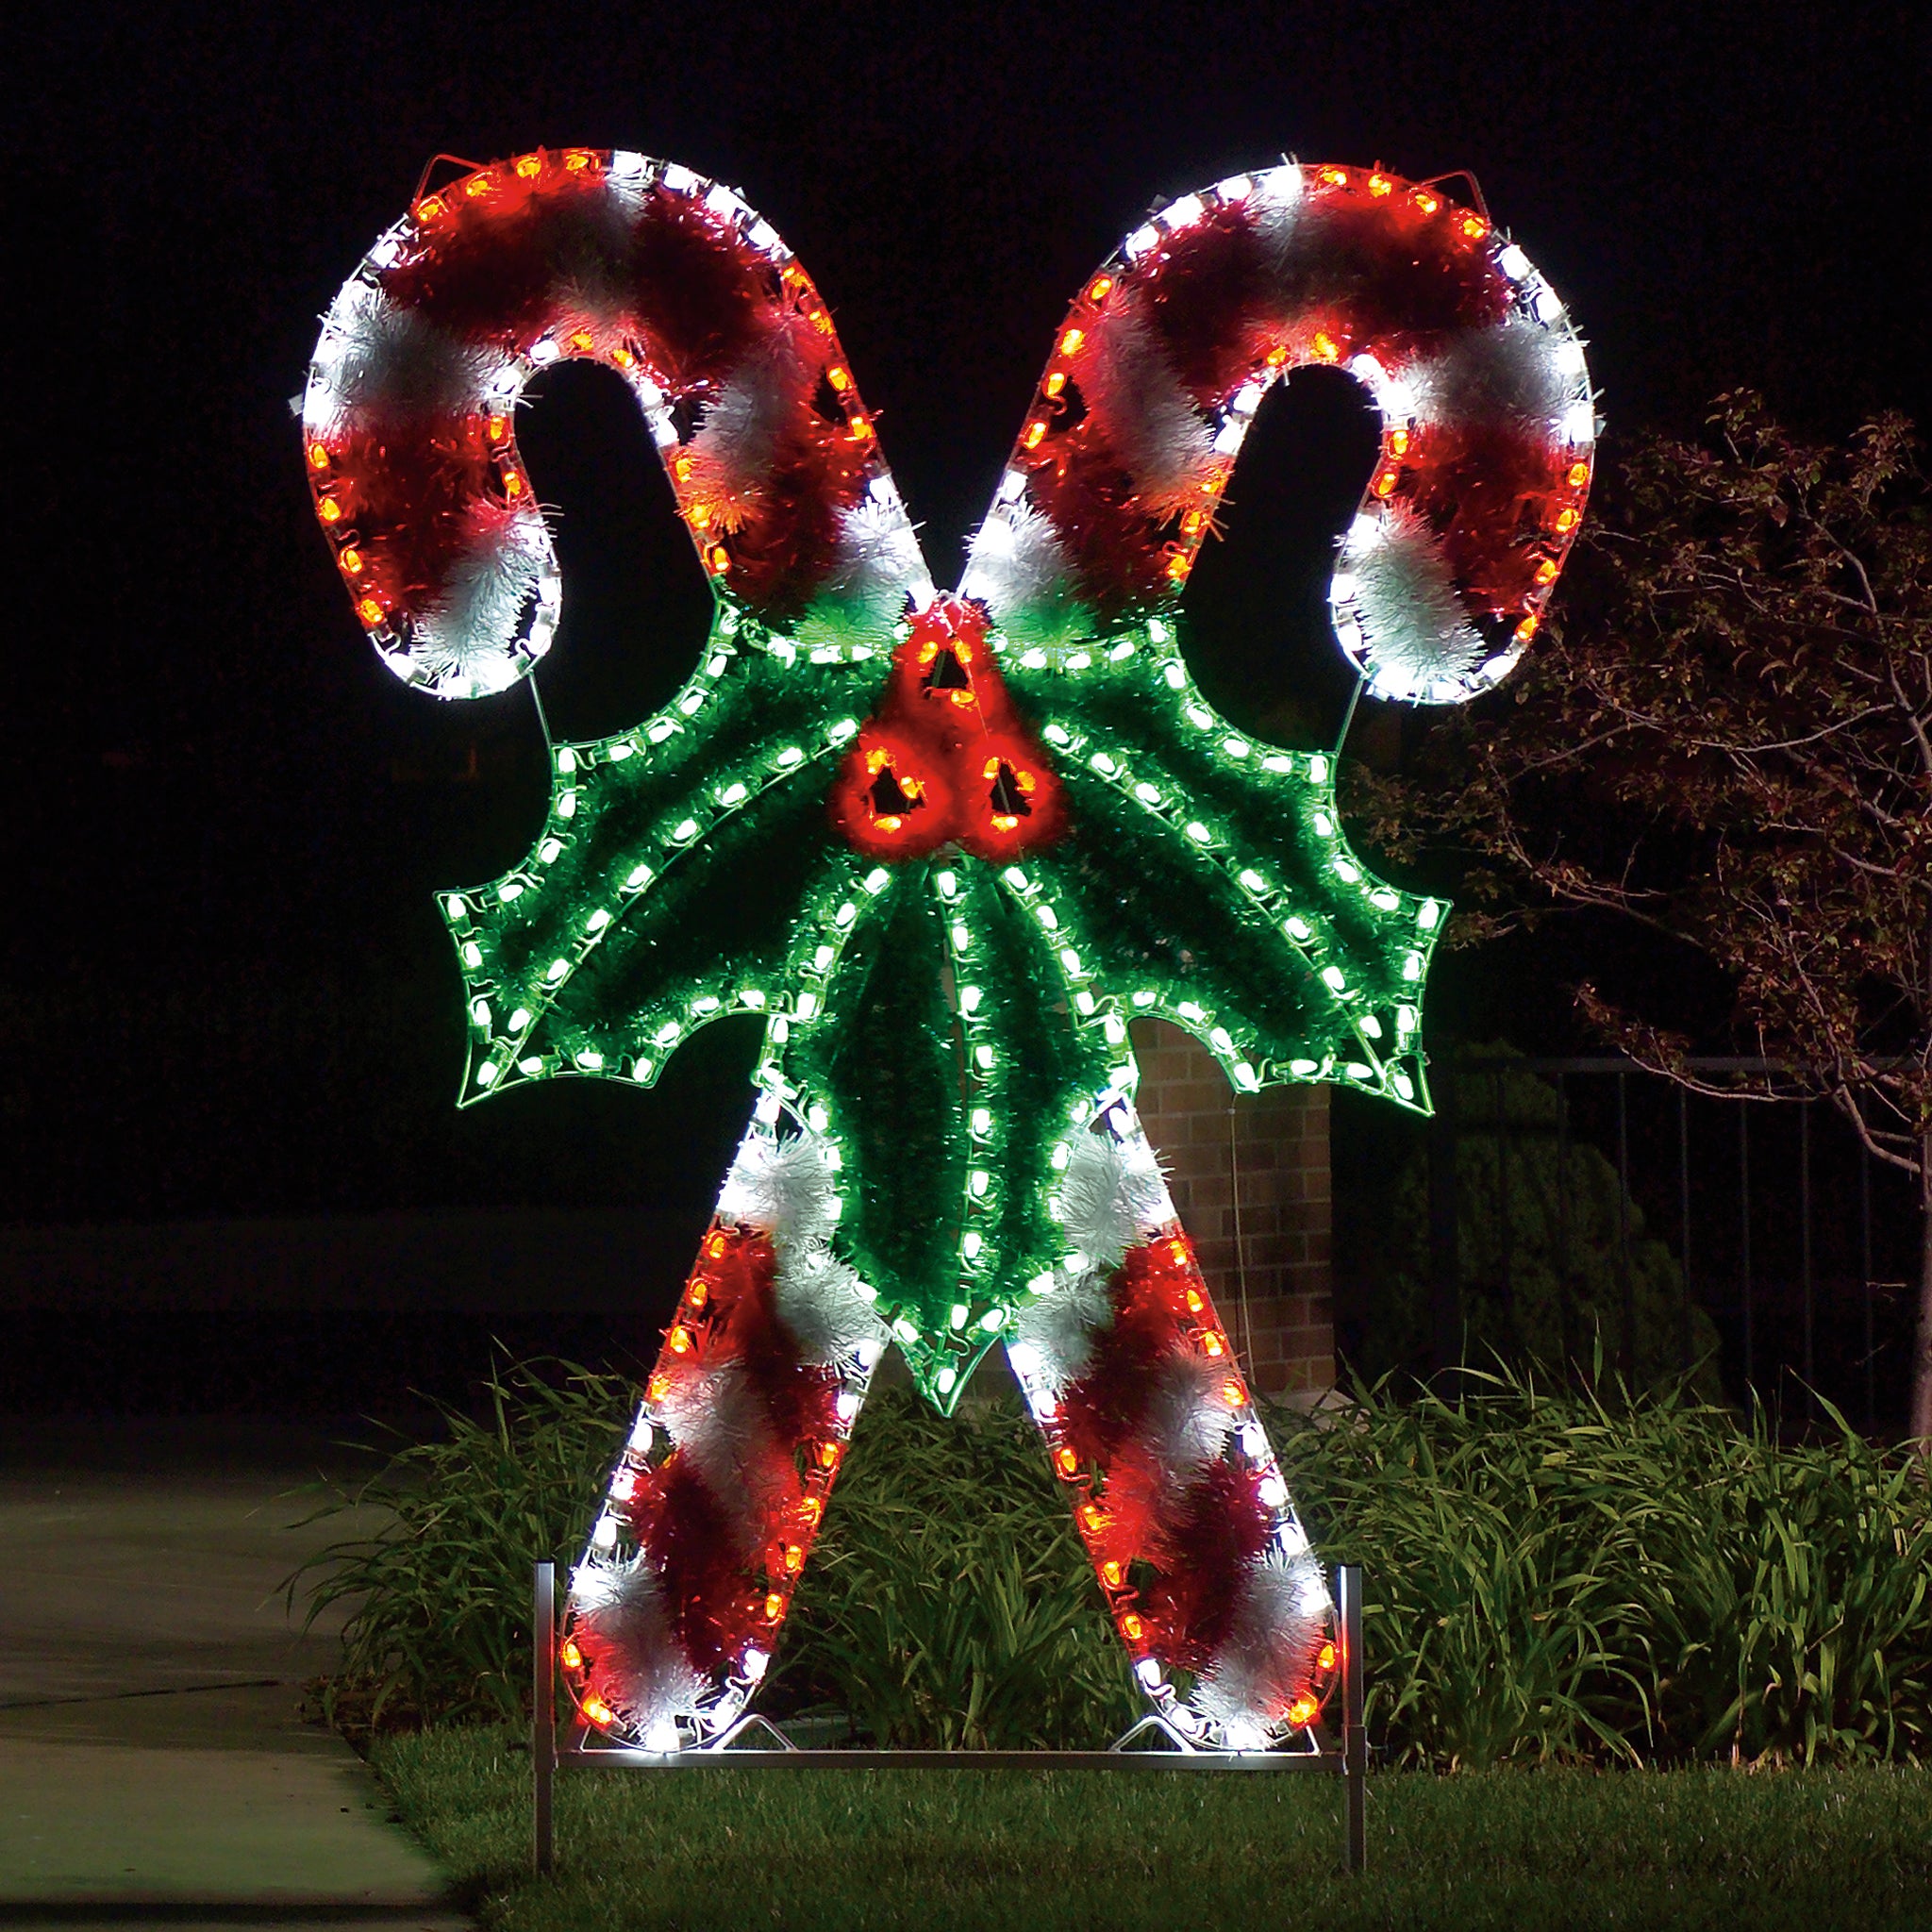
x=581 y=1746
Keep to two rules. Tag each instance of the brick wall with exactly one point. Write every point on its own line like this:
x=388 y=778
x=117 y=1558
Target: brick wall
x=1280 y=1153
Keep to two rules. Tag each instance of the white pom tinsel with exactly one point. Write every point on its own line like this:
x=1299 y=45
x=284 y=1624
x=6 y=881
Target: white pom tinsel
x=1282 y=1610
x=876 y=567
x=1513 y=375
x=1020 y=570
x=826 y=1307
x=718 y=1422
x=641 y=1670
x=785 y=1188
x=730 y=457
x=1111 y=1198
x=1187 y=1424
x=375 y=358
x=465 y=645
x=1415 y=640
x=1057 y=1329
x=1150 y=420
x=1277 y=203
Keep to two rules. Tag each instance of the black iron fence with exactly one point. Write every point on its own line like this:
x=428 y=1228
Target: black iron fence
x=1585 y=1212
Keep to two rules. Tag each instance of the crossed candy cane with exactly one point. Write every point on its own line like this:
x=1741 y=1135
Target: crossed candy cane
x=944 y=846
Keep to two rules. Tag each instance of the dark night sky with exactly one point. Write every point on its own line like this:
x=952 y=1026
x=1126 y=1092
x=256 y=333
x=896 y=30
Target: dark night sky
x=225 y=988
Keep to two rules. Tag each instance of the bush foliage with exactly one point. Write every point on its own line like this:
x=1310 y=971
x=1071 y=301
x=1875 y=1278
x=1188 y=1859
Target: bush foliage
x=1549 y=1578
x=1545 y=1235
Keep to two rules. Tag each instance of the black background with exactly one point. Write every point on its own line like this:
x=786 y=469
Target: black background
x=225 y=987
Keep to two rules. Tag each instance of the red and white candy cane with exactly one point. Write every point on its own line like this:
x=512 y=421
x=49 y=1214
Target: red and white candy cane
x=1488 y=422
x=1488 y=428
x=690 y=295
x=721 y=1491
x=409 y=422
x=1132 y=1380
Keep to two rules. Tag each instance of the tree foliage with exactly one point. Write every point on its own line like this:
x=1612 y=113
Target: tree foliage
x=1728 y=737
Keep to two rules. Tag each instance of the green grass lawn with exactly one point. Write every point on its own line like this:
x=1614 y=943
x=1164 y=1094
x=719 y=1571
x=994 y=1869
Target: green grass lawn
x=1033 y=1851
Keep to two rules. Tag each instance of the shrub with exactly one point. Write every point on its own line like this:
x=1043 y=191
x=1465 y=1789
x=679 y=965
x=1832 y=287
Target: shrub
x=949 y=1602
x=1549 y=1578
x=1544 y=1235
x=1553 y=1577
x=440 y=1623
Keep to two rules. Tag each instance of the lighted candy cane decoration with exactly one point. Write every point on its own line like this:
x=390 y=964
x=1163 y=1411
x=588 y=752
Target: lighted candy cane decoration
x=409 y=411
x=958 y=856
x=1488 y=421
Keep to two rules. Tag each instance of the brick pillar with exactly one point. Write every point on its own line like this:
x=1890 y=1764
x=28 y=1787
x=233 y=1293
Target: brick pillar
x=1279 y=1150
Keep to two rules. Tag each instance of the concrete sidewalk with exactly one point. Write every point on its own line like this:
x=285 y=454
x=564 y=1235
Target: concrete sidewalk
x=153 y=1762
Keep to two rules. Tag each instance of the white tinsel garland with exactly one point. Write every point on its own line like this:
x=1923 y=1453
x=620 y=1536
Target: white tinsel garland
x=1166 y=443
x=378 y=359
x=1393 y=584
x=642 y=1675
x=1279 y=1618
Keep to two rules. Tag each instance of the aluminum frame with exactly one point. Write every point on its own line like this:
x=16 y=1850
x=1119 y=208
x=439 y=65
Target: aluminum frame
x=550 y=1754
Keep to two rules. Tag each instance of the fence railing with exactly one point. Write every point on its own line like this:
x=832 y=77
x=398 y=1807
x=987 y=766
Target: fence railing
x=1573 y=1205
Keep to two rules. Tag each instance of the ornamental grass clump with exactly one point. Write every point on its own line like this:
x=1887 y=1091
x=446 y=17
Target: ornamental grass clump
x=440 y=1624
x=1549 y=1578
x=949 y=1602
x=1561 y=1578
